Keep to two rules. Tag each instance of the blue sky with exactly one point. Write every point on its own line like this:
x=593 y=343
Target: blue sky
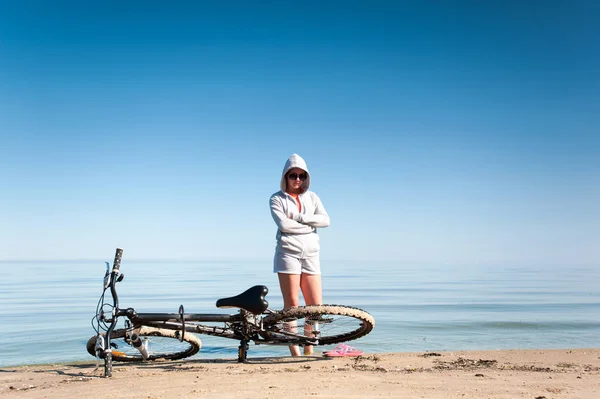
x=456 y=132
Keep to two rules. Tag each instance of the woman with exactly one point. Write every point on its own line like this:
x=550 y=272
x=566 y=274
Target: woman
x=297 y=213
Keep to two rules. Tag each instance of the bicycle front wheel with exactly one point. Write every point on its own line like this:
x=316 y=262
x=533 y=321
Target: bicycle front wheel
x=330 y=324
x=161 y=344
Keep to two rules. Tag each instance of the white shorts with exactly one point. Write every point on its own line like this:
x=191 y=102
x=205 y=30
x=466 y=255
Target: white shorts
x=289 y=264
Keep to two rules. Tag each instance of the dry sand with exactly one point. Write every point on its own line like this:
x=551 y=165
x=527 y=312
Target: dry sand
x=549 y=374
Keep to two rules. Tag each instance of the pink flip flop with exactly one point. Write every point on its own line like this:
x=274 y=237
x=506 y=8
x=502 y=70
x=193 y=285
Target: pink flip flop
x=343 y=350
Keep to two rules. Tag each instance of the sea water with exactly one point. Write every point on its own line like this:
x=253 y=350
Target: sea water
x=47 y=307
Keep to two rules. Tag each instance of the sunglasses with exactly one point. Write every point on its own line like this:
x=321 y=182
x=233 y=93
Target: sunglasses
x=294 y=176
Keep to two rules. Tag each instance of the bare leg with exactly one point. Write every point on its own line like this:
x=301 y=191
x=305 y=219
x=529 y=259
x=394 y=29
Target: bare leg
x=290 y=289
x=310 y=284
x=312 y=290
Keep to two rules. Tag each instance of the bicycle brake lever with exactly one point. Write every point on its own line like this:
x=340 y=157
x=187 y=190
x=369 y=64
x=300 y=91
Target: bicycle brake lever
x=107 y=276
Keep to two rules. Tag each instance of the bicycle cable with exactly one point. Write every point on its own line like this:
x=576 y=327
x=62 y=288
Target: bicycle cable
x=97 y=323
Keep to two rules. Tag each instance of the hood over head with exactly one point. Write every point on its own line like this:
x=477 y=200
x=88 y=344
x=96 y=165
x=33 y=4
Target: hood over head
x=295 y=161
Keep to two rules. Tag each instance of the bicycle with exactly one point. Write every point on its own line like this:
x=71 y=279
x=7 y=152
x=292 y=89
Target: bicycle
x=171 y=336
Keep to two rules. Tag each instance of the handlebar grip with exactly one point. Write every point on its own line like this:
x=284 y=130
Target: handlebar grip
x=117 y=262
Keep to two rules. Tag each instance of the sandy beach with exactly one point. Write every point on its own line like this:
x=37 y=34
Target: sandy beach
x=534 y=374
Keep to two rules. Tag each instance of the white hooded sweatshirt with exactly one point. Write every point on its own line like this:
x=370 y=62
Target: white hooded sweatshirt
x=297 y=230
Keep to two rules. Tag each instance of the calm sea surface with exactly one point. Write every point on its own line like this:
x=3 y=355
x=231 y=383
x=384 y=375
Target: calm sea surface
x=46 y=308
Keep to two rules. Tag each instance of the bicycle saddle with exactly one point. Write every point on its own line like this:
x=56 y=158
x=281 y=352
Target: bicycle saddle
x=252 y=300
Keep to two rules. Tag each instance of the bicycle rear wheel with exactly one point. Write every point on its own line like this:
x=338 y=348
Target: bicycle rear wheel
x=162 y=344
x=330 y=324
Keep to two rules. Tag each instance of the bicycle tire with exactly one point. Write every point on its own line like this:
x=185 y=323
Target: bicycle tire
x=337 y=323
x=163 y=344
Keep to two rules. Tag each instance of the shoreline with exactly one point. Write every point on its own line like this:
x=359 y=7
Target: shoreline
x=515 y=373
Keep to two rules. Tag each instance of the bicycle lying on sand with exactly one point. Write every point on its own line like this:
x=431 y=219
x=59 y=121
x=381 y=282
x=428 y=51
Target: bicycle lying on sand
x=170 y=336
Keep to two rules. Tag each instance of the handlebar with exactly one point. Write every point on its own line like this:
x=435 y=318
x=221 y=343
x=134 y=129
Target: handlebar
x=136 y=341
x=111 y=278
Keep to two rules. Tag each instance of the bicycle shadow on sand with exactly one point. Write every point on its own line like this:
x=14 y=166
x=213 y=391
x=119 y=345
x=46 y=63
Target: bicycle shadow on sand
x=95 y=370
x=189 y=364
